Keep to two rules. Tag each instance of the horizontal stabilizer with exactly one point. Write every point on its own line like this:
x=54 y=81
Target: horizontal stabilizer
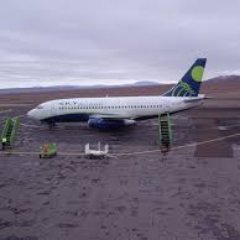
x=193 y=100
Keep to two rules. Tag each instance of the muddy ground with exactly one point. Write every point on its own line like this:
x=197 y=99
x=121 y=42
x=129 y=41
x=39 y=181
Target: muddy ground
x=189 y=193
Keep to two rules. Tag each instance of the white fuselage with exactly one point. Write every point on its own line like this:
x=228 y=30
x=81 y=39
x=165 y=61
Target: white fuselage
x=125 y=108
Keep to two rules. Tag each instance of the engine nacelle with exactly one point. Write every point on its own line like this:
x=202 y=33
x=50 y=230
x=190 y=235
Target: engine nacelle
x=109 y=124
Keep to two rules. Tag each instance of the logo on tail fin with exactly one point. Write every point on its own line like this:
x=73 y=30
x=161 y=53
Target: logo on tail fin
x=190 y=83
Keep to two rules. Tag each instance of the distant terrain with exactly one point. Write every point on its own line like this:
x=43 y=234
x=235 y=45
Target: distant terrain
x=230 y=80
x=227 y=87
x=71 y=87
x=224 y=79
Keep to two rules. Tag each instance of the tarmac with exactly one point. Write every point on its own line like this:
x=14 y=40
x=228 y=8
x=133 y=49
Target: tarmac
x=190 y=193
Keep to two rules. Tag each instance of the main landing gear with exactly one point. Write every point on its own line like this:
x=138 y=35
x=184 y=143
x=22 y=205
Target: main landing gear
x=51 y=125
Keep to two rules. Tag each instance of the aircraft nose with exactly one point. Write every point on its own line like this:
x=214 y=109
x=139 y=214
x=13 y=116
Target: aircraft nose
x=31 y=113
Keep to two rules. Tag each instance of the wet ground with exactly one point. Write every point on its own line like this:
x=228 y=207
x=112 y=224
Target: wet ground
x=189 y=193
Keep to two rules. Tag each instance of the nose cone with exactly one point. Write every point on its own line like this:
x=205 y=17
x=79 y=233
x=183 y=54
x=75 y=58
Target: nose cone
x=32 y=114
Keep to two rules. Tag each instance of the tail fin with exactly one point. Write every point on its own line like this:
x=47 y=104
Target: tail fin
x=190 y=83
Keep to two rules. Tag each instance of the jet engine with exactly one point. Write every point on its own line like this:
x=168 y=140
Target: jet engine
x=106 y=124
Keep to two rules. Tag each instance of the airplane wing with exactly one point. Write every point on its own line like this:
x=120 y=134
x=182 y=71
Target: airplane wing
x=110 y=116
x=109 y=121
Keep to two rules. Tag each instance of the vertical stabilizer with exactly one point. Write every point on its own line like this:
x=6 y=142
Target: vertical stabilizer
x=190 y=83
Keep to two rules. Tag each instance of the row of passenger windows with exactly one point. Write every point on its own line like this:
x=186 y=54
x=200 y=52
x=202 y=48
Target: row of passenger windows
x=109 y=107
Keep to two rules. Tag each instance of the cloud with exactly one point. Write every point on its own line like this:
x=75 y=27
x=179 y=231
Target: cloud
x=103 y=41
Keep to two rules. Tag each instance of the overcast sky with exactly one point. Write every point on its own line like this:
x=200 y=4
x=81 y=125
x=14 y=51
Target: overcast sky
x=78 y=42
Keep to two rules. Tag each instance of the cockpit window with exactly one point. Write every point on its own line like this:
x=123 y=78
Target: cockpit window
x=39 y=106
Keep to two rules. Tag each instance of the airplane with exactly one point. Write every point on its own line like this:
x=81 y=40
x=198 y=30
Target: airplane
x=116 y=112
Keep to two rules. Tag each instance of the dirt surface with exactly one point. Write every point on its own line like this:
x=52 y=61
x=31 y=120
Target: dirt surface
x=189 y=193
